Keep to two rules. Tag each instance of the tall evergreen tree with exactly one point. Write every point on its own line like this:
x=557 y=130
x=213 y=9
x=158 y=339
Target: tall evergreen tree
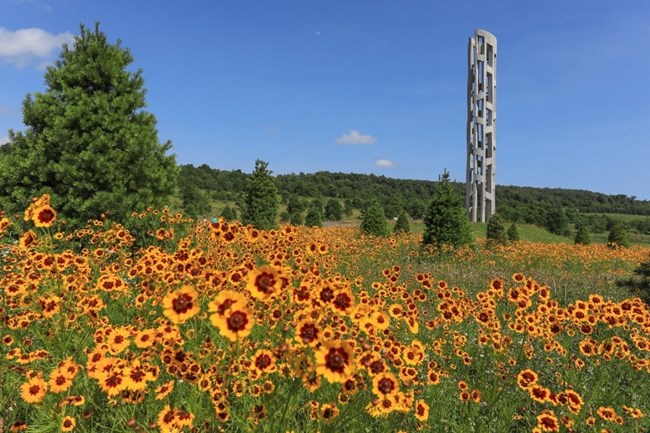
x=261 y=198
x=446 y=221
x=495 y=231
x=374 y=220
x=88 y=142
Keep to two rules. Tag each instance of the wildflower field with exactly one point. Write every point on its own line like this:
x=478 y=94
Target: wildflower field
x=217 y=327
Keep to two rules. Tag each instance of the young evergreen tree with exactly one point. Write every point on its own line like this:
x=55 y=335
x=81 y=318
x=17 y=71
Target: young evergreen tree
x=374 y=220
x=446 y=221
x=261 y=199
x=314 y=217
x=495 y=231
x=402 y=223
x=582 y=233
x=513 y=233
x=617 y=236
x=88 y=142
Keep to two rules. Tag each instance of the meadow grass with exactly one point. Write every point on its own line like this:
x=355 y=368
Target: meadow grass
x=221 y=327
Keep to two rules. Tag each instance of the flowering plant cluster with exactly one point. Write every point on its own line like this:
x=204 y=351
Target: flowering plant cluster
x=230 y=328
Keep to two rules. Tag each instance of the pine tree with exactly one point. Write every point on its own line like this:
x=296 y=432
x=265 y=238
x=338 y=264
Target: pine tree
x=513 y=233
x=582 y=234
x=402 y=223
x=374 y=220
x=446 y=222
x=495 y=231
x=261 y=199
x=617 y=236
x=88 y=142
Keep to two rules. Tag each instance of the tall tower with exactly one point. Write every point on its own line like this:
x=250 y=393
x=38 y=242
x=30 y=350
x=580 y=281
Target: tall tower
x=481 y=125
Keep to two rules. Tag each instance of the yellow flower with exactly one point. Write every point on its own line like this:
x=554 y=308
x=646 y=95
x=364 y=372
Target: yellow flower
x=264 y=283
x=223 y=301
x=34 y=390
x=264 y=362
x=236 y=322
x=28 y=240
x=44 y=216
x=335 y=361
x=421 y=410
x=68 y=424
x=385 y=384
x=181 y=305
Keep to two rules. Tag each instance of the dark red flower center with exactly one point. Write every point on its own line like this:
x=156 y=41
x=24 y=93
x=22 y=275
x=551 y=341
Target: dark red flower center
x=182 y=303
x=308 y=333
x=237 y=321
x=336 y=360
x=263 y=361
x=386 y=385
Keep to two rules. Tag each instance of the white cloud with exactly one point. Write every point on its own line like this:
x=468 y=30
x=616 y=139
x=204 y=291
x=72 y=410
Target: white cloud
x=4 y=140
x=385 y=163
x=355 y=137
x=24 y=45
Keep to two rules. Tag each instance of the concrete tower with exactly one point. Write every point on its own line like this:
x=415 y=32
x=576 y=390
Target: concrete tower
x=481 y=125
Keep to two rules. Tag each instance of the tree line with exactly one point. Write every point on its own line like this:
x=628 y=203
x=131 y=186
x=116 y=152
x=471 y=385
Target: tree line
x=552 y=208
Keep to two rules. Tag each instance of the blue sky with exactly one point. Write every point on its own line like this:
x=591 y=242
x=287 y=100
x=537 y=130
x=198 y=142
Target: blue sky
x=369 y=86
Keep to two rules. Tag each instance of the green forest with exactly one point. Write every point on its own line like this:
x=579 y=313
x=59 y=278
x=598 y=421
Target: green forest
x=552 y=208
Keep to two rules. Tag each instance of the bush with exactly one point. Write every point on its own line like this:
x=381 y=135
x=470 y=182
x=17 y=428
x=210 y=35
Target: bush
x=229 y=213
x=314 y=216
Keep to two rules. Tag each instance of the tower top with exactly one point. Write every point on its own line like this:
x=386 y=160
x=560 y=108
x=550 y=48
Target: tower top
x=482 y=32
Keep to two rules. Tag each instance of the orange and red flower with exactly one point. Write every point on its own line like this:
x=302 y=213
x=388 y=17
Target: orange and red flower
x=335 y=361
x=181 y=305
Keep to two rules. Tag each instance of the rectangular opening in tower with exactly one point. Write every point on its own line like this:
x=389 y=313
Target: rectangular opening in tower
x=490 y=55
x=489 y=87
x=488 y=145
